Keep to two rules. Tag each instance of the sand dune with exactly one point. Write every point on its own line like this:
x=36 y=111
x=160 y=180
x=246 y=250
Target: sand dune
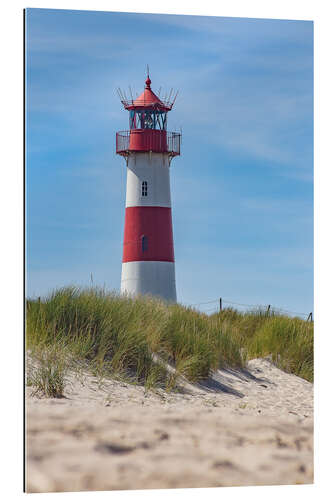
x=251 y=427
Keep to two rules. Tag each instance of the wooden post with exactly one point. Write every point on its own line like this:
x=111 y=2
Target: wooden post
x=220 y=304
x=268 y=308
x=310 y=317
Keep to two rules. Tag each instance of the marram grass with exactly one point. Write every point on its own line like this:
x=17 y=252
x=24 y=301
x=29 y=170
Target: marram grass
x=47 y=371
x=135 y=338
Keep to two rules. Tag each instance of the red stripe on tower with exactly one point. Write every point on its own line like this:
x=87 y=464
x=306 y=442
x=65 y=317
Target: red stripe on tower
x=148 y=234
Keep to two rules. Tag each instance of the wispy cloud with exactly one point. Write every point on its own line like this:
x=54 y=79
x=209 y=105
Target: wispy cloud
x=238 y=92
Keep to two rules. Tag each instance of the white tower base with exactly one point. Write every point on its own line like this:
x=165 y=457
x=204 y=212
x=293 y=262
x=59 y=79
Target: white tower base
x=149 y=277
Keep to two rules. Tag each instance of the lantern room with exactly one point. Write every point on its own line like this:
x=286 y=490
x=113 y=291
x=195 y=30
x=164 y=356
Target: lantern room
x=148 y=119
x=148 y=124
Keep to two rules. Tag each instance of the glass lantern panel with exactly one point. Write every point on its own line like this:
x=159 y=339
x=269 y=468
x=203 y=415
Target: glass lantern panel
x=148 y=119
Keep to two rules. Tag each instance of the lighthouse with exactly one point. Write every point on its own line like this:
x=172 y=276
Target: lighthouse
x=148 y=263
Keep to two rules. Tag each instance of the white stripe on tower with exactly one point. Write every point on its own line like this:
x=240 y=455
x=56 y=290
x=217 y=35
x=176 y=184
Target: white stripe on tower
x=154 y=169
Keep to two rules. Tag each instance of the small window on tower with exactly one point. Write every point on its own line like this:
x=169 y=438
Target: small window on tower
x=144 y=188
x=144 y=243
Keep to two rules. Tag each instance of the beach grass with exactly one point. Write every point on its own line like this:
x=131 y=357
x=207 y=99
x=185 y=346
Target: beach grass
x=138 y=338
x=47 y=371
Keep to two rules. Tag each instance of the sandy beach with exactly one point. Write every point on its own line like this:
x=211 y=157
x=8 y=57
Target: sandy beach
x=250 y=427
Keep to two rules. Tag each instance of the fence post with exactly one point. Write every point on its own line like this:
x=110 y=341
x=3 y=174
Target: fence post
x=220 y=304
x=310 y=317
x=268 y=308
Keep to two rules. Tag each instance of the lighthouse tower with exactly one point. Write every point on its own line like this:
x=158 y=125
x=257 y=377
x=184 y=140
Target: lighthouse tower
x=148 y=265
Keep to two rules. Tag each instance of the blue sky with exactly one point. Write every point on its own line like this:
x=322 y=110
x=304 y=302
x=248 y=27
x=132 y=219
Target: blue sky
x=242 y=190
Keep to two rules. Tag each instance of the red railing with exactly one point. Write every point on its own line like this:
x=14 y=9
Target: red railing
x=145 y=140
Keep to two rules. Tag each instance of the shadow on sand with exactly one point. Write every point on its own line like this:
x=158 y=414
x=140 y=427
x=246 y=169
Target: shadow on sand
x=211 y=384
x=223 y=381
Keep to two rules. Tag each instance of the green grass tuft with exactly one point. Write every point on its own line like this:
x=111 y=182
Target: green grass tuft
x=289 y=342
x=47 y=370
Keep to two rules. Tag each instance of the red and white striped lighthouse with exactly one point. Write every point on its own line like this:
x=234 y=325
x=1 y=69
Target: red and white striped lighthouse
x=148 y=265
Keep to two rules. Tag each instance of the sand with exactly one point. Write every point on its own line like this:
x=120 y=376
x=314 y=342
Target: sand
x=251 y=427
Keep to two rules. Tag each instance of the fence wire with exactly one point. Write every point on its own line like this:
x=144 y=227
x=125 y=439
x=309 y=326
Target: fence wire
x=262 y=307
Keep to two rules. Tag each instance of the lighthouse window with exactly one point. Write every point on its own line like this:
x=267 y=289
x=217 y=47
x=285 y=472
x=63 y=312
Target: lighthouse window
x=132 y=117
x=144 y=243
x=148 y=119
x=144 y=188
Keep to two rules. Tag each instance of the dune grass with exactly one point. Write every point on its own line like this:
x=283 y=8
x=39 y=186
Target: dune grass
x=289 y=342
x=134 y=338
x=47 y=370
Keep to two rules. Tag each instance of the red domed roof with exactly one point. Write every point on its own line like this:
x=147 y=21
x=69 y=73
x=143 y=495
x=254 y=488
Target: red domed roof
x=147 y=100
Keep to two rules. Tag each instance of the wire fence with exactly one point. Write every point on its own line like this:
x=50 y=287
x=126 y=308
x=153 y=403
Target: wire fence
x=222 y=303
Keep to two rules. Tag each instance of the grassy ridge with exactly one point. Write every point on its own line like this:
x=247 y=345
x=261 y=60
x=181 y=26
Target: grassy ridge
x=118 y=335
